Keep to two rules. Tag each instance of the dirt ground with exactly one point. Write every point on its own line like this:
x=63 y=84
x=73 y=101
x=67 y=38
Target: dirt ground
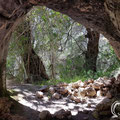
x=29 y=105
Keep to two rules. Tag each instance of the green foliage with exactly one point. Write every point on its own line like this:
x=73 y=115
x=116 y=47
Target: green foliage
x=55 y=35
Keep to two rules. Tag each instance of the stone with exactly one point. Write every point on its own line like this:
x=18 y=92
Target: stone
x=118 y=77
x=75 y=93
x=62 y=114
x=96 y=85
x=52 y=90
x=56 y=96
x=90 y=92
x=63 y=91
x=82 y=92
x=44 y=88
x=104 y=106
x=95 y=115
x=86 y=118
x=109 y=95
x=90 y=81
x=77 y=100
x=39 y=94
x=99 y=94
x=85 y=111
x=45 y=115
x=83 y=100
x=72 y=97
x=108 y=82
x=82 y=85
x=70 y=90
x=75 y=85
x=17 y=117
x=62 y=85
x=89 y=105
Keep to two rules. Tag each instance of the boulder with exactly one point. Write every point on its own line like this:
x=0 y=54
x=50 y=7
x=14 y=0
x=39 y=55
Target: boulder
x=56 y=96
x=39 y=94
x=44 y=88
x=82 y=92
x=70 y=90
x=52 y=90
x=75 y=93
x=77 y=100
x=90 y=91
x=108 y=94
x=75 y=85
x=99 y=94
x=90 y=81
x=62 y=85
x=63 y=91
x=96 y=85
x=45 y=115
x=62 y=115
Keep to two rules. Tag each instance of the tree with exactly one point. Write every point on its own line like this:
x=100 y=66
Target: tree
x=34 y=66
x=101 y=15
x=92 y=50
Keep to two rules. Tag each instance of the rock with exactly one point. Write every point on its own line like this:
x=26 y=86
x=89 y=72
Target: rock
x=45 y=98
x=86 y=111
x=96 y=85
x=104 y=91
x=118 y=77
x=99 y=94
x=90 y=81
x=113 y=79
x=63 y=91
x=82 y=85
x=39 y=94
x=75 y=85
x=86 y=118
x=72 y=97
x=45 y=115
x=44 y=88
x=5 y=105
x=89 y=105
x=77 y=100
x=52 y=90
x=109 y=95
x=56 y=96
x=104 y=108
x=82 y=92
x=90 y=91
x=75 y=93
x=70 y=90
x=107 y=82
x=62 y=114
x=95 y=115
x=105 y=113
x=17 y=117
x=62 y=85
x=83 y=100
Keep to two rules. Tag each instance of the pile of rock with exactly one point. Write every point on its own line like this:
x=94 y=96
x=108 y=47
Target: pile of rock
x=79 y=90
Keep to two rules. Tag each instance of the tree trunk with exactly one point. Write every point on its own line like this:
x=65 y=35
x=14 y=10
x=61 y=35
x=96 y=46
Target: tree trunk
x=92 y=49
x=34 y=66
x=3 y=67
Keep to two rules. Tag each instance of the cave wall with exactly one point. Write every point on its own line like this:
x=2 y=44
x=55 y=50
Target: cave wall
x=101 y=15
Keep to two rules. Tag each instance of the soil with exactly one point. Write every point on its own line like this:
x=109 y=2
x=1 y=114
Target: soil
x=29 y=106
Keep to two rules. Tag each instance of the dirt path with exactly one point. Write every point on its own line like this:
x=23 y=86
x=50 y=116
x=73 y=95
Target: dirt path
x=31 y=106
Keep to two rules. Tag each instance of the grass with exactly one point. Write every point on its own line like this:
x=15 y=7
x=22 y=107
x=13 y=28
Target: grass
x=83 y=76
